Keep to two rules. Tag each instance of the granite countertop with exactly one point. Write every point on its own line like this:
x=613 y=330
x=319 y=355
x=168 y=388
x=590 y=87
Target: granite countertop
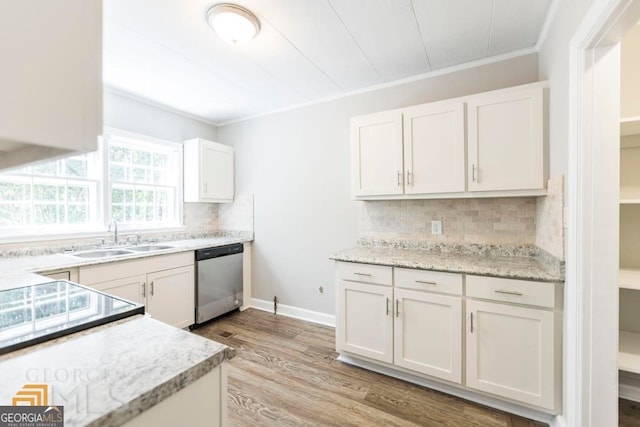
x=109 y=374
x=525 y=263
x=20 y=270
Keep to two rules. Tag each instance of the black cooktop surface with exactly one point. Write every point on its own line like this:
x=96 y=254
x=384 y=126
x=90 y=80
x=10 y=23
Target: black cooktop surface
x=38 y=313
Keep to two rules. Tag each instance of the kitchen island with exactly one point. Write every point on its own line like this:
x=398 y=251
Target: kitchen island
x=136 y=371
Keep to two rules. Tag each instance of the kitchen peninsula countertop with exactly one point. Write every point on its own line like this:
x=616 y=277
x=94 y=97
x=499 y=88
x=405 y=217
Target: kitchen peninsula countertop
x=514 y=262
x=110 y=374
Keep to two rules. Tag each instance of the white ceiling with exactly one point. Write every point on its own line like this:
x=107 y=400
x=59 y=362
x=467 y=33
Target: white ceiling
x=163 y=51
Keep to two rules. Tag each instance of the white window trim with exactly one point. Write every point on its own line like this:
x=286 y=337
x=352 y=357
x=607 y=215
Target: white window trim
x=140 y=139
x=103 y=213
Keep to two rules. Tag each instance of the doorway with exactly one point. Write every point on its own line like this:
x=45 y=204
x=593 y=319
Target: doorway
x=591 y=340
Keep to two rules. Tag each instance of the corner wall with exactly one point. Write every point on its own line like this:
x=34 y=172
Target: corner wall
x=297 y=165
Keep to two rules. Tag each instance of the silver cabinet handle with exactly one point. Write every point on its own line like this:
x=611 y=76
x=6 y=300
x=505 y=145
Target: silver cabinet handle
x=471 y=322
x=409 y=180
x=425 y=282
x=399 y=178
x=500 y=291
x=151 y=288
x=363 y=274
x=387 y=306
x=144 y=290
x=473 y=172
x=397 y=308
x=205 y=187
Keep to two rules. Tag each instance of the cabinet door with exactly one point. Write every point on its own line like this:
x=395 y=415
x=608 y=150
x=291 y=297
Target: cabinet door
x=365 y=320
x=511 y=352
x=129 y=288
x=506 y=149
x=376 y=154
x=51 y=83
x=434 y=148
x=428 y=334
x=216 y=172
x=171 y=296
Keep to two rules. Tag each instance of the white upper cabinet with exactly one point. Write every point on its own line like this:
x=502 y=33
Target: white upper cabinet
x=421 y=151
x=377 y=154
x=51 y=80
x=434 y=148
x=506 y=149
x=208 y=171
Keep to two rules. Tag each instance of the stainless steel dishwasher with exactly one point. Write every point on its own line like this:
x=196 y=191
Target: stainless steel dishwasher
x=218 y=281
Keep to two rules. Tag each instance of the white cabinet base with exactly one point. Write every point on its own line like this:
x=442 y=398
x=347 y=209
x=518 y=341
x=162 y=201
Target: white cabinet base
x=444 y=387
x=201 y=403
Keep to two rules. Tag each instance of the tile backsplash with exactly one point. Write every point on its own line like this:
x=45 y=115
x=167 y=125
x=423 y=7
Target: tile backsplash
x=508 y=220
x=200 y=217
x=496 y=220
x=550 y=218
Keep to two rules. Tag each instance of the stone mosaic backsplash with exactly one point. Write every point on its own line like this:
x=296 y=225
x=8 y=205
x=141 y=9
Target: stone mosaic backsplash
x=507 y=220
x=550 y=218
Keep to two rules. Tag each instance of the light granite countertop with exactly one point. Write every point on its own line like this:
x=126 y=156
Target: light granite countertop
x=514 y=263
x=20 y=271
x=109 y=374
x=105 y=376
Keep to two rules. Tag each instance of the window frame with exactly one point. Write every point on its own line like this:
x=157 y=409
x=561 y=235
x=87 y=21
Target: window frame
x=103 y=206
x=150 y=142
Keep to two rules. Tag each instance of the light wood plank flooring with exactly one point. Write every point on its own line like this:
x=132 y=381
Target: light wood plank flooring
x=285 y=373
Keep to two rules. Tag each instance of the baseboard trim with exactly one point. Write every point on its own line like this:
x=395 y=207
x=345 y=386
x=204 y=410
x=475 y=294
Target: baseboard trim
x=455 y=391
x=629 y=392
x=295 y=312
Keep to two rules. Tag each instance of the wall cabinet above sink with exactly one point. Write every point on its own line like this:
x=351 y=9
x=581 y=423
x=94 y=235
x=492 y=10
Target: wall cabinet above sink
x=51 y=84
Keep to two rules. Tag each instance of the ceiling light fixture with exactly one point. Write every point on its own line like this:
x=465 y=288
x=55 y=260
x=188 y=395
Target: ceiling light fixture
x=234 y=24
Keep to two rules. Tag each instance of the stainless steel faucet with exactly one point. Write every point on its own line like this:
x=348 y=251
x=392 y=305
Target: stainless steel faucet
x=115 y=230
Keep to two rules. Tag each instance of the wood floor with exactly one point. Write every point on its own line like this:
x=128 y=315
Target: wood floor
x=285 y=373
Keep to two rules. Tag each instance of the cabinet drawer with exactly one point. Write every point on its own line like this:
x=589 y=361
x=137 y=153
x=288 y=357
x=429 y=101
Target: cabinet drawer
x=425 y=280
x=365 y=273
x=528 y=292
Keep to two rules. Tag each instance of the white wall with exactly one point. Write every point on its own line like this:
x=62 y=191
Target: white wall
x=296 y=163
x=129 y=114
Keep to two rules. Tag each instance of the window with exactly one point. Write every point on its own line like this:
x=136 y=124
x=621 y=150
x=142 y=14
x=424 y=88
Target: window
x=51 y=195
x=144 y=180
x=133 y=179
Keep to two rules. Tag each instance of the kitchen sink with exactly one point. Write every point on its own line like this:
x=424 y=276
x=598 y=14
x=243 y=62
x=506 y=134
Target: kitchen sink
x=105 y=253
x=149 y=248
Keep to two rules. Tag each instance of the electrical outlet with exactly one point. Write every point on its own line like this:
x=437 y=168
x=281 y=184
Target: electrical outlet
x=321 y=290
x=436 y=228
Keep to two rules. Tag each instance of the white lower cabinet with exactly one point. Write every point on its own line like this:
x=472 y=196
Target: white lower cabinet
x=170 y=297
x=130 y=288
x=366 y=326
x=428 y=334
x=413 y=319
x=412 y=329
x=510 y=352
x=164 y=284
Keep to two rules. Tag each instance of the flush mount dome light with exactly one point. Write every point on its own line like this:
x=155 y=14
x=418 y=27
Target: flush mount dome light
x=233 y=24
